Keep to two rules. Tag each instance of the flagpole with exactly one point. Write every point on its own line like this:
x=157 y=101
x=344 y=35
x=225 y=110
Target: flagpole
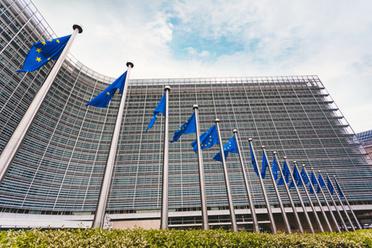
x=299 y=197
x=342 y=205
x=15 y=141
x=320 y=204
x=165 y=176
x=268 y=207
x=289 y=194
x=326 y=201
x=286 y=223
x=203 y=195
x=310 y=201
x=348 y=204
x=251 y=205
x=234 y=225
x=334 y=203
x=109 y=168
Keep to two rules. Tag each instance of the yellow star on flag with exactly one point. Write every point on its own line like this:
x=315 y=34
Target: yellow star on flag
x=108 y=93
x=44 y=43
x=38 y=50
x=57 y=41
x=38 y=59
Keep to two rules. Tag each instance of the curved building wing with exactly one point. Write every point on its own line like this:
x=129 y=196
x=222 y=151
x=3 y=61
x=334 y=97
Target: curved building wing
x=59 y=168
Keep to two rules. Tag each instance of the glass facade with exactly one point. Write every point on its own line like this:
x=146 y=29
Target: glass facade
x=60 y=165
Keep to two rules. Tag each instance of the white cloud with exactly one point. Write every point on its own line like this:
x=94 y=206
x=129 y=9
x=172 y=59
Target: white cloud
x=326 y=38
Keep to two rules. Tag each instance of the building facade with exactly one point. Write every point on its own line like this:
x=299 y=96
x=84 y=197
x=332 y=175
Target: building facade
x=56 y=175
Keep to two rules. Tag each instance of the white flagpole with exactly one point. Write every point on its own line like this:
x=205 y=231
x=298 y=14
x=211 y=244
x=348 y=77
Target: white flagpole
x=285 y=219
x=310 y=201
x=348 y=204
x=334 y=204
x=109 y=168
x=165 y=176
x=250 y=200
x=342 y=205
x=268 y=207
x=289 y=193
x=234 y=225
x=320 y=204
x=15 y=141
x=300 y=198
x=326 y=201
x=203 y=195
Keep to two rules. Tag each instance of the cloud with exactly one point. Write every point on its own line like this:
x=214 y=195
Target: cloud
x=227 y=38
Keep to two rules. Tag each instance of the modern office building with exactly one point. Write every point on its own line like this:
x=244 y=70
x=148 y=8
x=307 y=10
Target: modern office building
x=366 y=139
x=55 y=177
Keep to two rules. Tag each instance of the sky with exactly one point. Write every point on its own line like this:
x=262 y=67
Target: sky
x=221 y=38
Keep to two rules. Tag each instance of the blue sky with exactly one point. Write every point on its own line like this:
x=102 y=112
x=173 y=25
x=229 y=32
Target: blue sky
x=193 y=38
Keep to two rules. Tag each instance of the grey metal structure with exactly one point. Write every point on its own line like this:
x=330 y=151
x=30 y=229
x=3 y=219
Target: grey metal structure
x=246 y=184
x=203 y=194
x=234 y=225
x=57 y=172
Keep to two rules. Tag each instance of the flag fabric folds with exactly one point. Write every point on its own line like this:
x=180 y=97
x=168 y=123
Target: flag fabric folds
x=207 y=139
x=339 y=190
x=44 y=51
x=321 y=183
x=103 y=98
x=159 y=109
x=286 y=173
x=188 y=127
x=275 y=168
x=329 y=185
x=265 y=164
x=230 y=146
x=304 y=176
x=296 y=178
x=253 y=159
x=313 y=182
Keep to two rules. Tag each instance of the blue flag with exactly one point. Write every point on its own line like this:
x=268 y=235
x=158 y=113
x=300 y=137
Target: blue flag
x=265 y=163
x=253 y=159
x=275 y=169
x=313 y=182
x=104 y=98
x=304 y=176
x=296 y=178
x=207 y=139
x=339 y=190
x=188 y=127
x=329 y=185
x=286 y=173
x=321 y=182
x=230 y=146
x=44 y=51
x=159 y=109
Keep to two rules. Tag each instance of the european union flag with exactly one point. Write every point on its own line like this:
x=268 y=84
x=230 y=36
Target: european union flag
x=253 y=159
x=329 y=185
x=313 y=181
x=188 y=127
x=159 y=109
x=321 y=182
x=230 y=146
x=207 y=139
x=304 y=176
x=296 y=178
x=265 y=163
x=275 y=168
x=103 y=98
x=286 y=173
x=44 y=51
x=339 y=190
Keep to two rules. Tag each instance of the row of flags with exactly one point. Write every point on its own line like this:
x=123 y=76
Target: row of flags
x=43 y=52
